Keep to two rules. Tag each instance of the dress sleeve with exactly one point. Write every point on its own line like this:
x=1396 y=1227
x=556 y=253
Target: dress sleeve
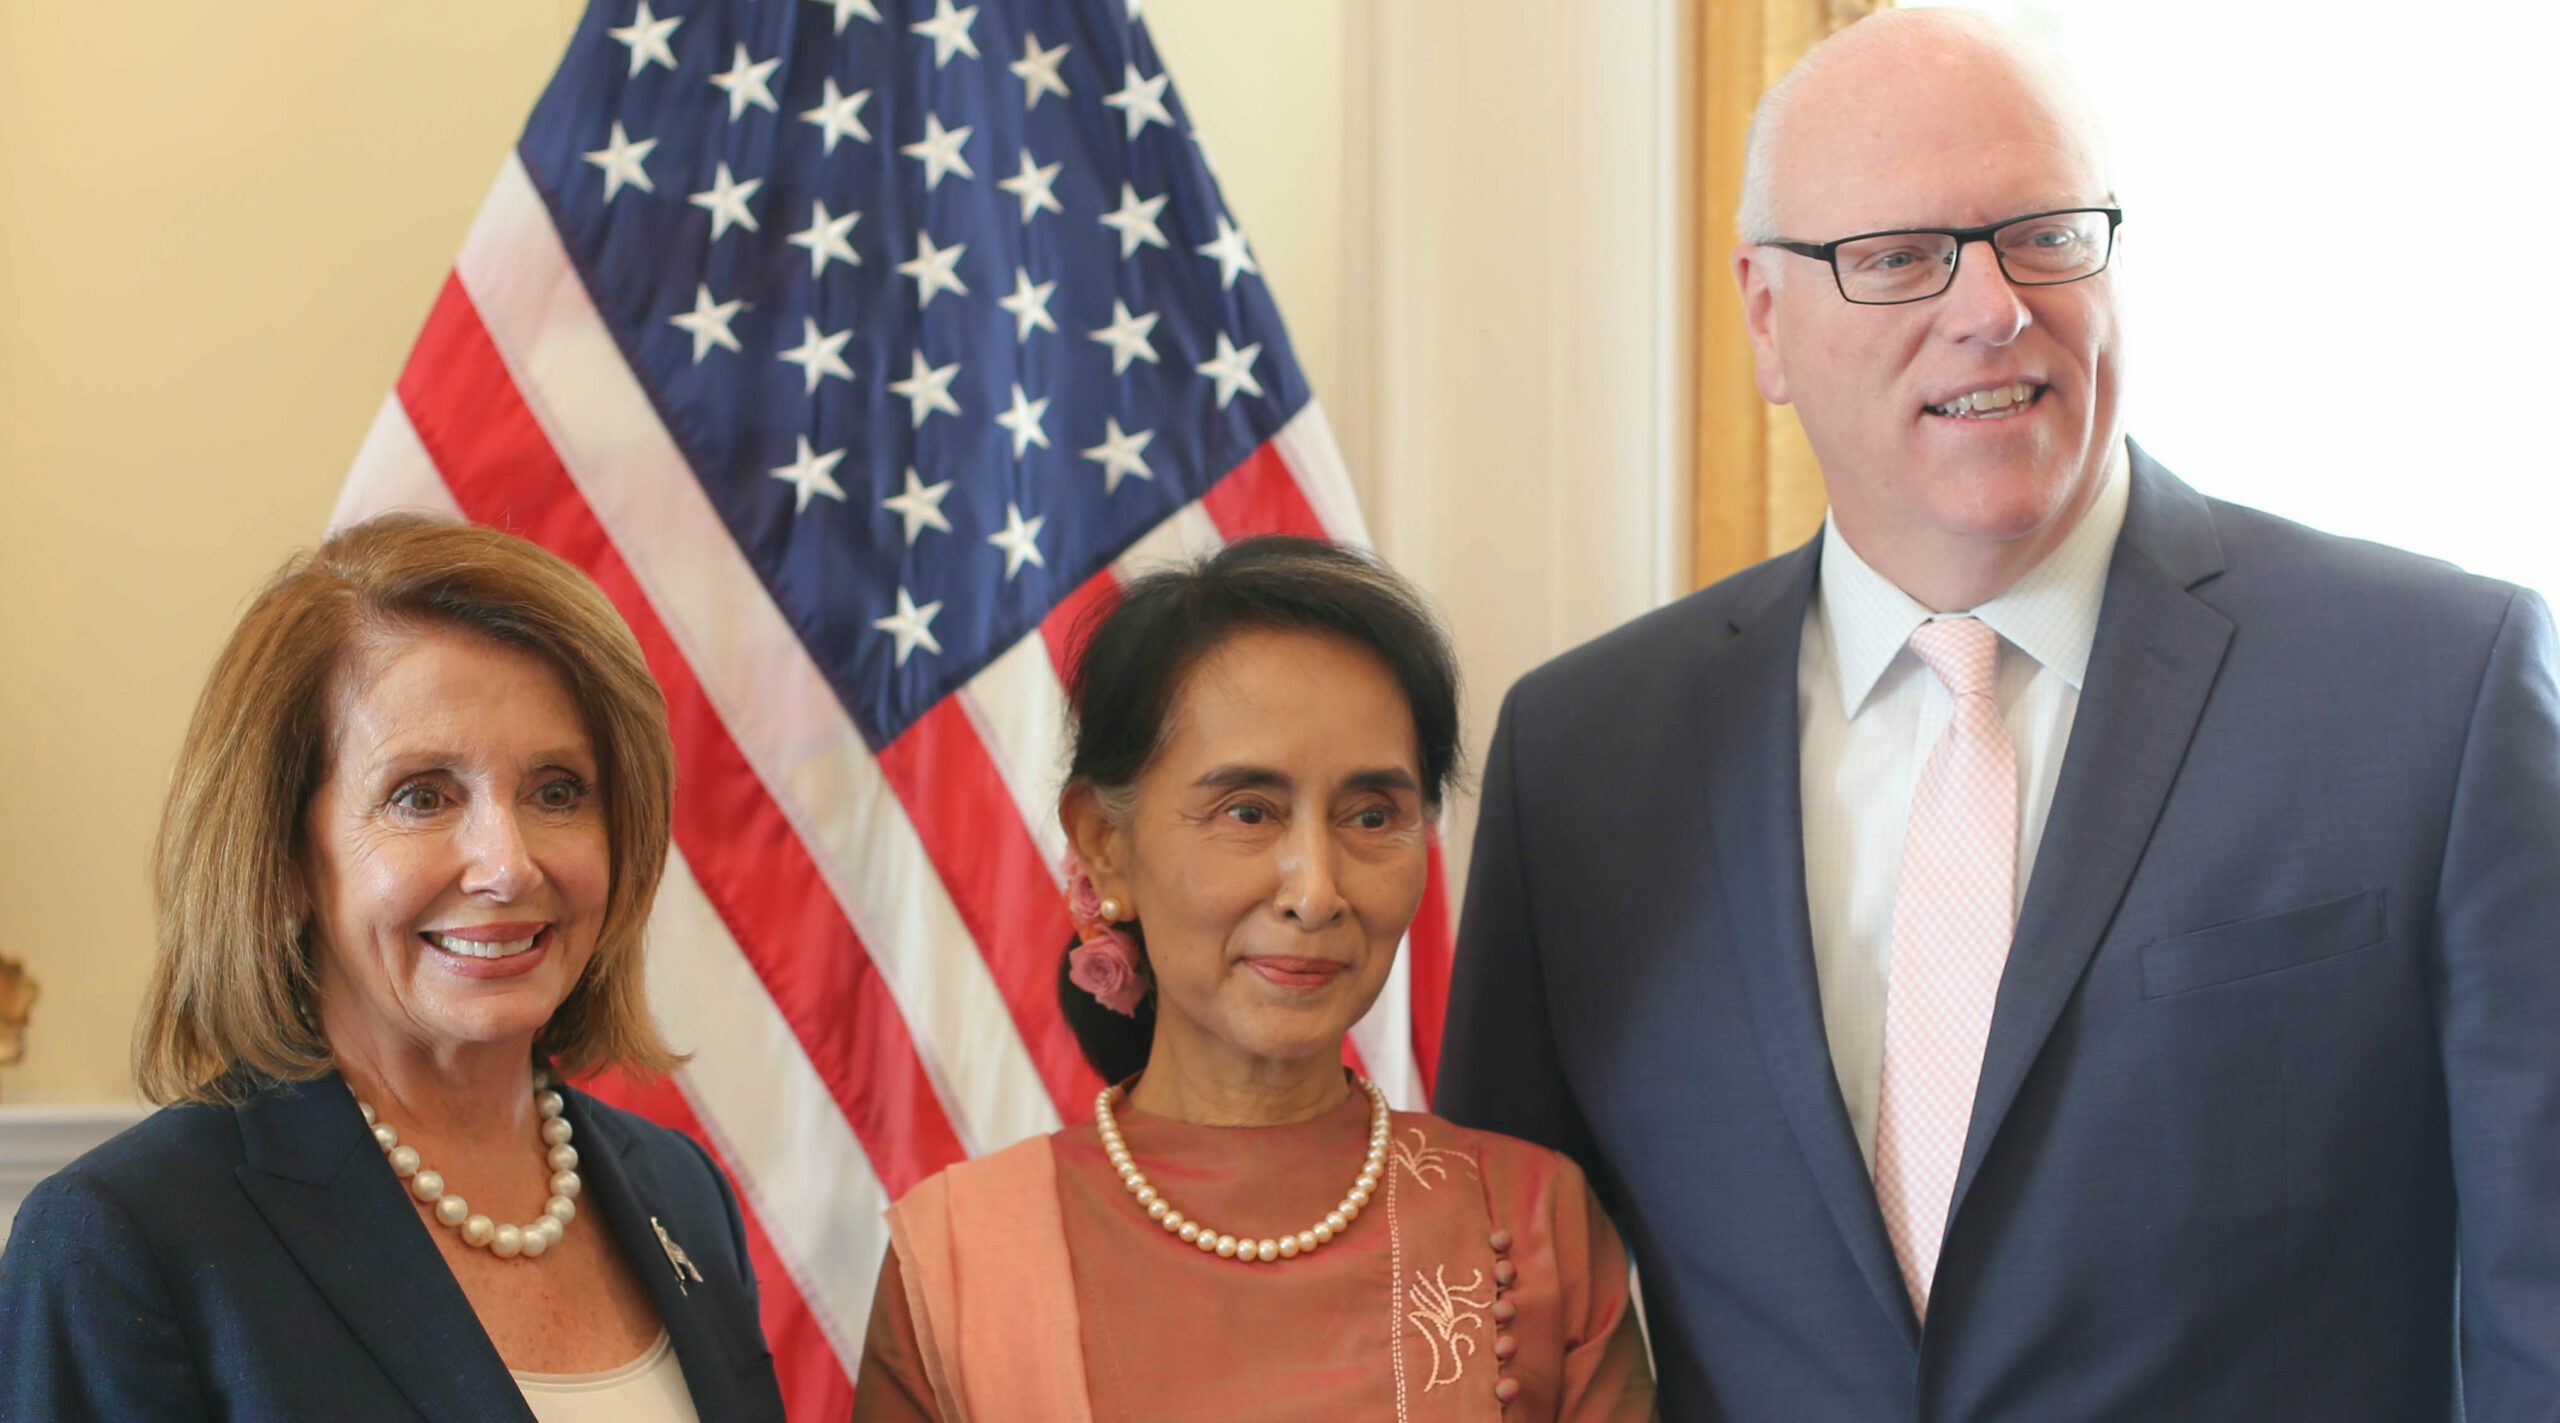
x=892 y=1387
x=88 y=1332
x=1607 y=1377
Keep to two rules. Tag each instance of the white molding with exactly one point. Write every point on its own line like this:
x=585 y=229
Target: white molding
x=35 y=1142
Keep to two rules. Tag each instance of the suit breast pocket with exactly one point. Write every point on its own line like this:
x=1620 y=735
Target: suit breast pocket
x=2269 y=943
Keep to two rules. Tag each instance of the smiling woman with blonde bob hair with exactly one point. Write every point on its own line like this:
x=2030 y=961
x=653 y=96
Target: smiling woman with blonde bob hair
x=231 y=993
x=403 y=876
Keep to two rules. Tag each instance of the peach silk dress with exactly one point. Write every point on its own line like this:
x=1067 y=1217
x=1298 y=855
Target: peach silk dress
x=1482 y=1282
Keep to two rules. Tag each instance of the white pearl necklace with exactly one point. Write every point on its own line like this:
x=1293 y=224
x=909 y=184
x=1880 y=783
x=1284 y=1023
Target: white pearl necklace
x=1228 y=1247
x=504 y=1241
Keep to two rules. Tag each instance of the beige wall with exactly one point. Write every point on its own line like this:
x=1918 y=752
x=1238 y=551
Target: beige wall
x=223 y=225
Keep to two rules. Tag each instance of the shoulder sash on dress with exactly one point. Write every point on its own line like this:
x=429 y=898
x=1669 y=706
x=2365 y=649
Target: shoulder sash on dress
x=982 y=1248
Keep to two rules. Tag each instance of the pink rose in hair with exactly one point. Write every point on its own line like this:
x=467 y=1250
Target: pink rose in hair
x=1105 y=966
x=1084 y=902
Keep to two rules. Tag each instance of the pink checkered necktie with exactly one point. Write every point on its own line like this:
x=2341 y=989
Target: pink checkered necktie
x=1953 y=914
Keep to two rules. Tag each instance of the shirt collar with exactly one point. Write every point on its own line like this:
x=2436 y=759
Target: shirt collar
x=2051 y=614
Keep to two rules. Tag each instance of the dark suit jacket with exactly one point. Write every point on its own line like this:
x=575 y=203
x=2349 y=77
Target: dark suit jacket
x=2276 y=1048
x=263 y=1263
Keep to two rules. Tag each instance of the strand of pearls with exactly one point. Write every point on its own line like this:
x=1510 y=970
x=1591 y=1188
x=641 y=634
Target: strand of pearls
x=1228 y=1247
x=504 y=1241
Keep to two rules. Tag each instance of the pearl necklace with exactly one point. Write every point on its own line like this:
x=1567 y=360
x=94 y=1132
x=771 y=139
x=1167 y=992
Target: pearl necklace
x=1228 y=1247
x=504 y=1241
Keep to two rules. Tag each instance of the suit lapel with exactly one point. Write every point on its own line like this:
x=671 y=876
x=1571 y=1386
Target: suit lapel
x=622 y=1187
x=1748 y=735
x=313 y=1172
x=2157 y=653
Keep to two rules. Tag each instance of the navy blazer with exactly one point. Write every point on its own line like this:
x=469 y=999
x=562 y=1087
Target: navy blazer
x=2277 y=1047
x=262 y=1262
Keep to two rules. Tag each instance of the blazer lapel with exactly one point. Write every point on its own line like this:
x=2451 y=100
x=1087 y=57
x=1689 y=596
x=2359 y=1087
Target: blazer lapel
x=313 y=1172
x=1748 y=744
x=622 y=1187
x=2157 y=653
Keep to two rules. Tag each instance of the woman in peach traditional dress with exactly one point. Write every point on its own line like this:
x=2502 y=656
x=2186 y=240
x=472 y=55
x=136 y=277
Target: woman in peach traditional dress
x=1246 y=1231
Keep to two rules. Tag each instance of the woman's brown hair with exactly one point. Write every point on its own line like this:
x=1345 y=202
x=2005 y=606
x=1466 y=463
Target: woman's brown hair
x=231 y=995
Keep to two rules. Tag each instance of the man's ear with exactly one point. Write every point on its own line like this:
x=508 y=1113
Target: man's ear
x=1755 y=273
x=1101 y=844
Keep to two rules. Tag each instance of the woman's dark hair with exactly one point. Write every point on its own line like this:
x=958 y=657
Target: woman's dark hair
x=1133 y=657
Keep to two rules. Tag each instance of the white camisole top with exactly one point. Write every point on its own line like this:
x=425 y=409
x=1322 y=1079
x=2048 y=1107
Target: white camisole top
x=649 y=1389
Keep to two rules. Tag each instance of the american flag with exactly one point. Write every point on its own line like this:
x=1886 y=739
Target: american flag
x=858 y=348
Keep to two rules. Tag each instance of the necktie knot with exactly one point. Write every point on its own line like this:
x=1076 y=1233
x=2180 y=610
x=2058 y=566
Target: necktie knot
x=1963 y=652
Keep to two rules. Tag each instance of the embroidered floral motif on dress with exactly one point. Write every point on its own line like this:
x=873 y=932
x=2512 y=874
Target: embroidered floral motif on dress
x=1425 y=1162
x=1448 y=1319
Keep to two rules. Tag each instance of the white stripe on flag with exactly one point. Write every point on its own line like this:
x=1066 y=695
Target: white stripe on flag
x=1020 y=710
x=1306 y=446
x=1189 y=534
x=777 y=706
x=392 y=471
x=786 y=1143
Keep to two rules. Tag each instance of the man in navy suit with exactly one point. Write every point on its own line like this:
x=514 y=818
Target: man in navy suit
x=2057 y=946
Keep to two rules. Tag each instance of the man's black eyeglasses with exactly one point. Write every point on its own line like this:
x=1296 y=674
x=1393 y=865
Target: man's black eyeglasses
x=2043 y=249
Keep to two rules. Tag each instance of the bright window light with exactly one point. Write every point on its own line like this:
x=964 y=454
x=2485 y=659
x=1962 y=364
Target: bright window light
x=2340 y=258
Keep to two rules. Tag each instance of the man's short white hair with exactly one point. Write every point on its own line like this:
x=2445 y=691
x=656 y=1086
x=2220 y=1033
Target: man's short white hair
x=1756 y=215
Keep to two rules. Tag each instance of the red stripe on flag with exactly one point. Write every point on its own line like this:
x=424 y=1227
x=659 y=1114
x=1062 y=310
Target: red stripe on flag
x=812 y=1376
x=974 y=834
x=1067 y=625
x=1261 y=496
x=758 y=876
x=1430 y=944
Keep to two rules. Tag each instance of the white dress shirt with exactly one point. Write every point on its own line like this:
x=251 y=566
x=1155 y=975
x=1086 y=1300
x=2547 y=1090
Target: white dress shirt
x=1868 y=712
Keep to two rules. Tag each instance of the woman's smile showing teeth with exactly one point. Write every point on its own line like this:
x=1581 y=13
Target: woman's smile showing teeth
x=489 y=950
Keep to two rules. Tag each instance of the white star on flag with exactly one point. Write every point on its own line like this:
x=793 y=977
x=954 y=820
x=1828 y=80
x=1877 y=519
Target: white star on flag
x=927 y=388
x=646 y=38
x=810 y=475
x=920 y=506
x=1024 y=421
x=1031 y=185
x=621 y=160
x=826 y=239
x=1233 y=256
x=847 y=9
x=817 y=355
x=1142 y=100
x=949 y=31
x=839 y=114
x=911 y=626
x=1038 y=71
x=744 y=83
x=726 y=201
x=708 y=323
x=1135 y=221
x=1127 y=337
x=1020 y=540
x=1029 y=305
x=939 y=151
x=1231 y=369
x=934 y=268
x=1120 y=455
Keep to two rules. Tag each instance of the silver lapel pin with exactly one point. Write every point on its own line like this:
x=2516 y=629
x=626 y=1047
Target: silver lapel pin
x=677 y=1260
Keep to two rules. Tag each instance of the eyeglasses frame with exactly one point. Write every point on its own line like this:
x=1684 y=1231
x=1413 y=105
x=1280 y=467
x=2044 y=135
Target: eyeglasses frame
x=1828 y=253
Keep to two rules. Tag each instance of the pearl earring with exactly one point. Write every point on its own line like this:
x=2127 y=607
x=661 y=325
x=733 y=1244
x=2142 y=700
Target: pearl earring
x=1111 y=910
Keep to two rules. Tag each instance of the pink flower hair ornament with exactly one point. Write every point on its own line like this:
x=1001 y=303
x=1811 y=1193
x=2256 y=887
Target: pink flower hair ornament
x=1103 y=963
